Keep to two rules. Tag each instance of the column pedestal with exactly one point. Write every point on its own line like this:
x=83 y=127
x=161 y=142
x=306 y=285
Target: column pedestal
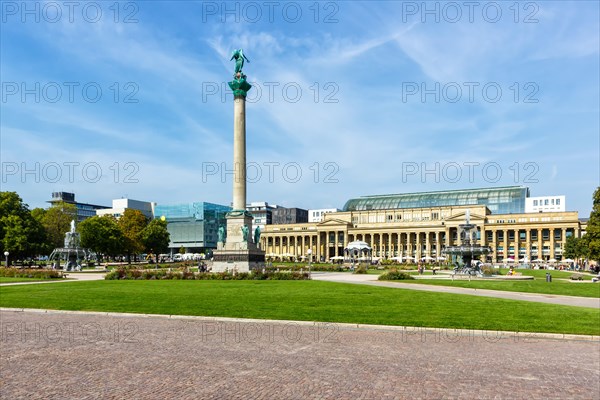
x=239 y=252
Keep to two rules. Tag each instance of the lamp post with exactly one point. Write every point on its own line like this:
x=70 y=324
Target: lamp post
x=6 y=253
x=309 y=252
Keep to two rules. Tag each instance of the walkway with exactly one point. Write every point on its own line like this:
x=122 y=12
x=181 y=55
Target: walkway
x=57 y=355
x=365 y=279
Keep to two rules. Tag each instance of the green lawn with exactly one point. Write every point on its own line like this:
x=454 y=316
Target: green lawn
x=541 y=273
x=5 y=279
x=537 y=285
x=306 y=300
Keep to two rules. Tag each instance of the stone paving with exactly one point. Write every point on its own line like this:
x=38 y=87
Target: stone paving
x=87 y=356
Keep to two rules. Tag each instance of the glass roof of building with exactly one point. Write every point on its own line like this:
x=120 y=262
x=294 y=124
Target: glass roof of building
x=510 y=199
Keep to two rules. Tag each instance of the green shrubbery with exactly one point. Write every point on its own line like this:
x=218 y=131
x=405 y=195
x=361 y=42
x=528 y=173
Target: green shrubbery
x=31 y=273
x=136 y=274
x=395 y=275
x=313 y=267
x=361 y=269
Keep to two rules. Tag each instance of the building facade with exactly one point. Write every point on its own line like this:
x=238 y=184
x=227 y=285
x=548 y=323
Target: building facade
x=262 y=213
x=545 y=204
x=283 y=215
x=193 y=226
x=424 y=231
x=120 y=205
x=84 y=210
x=317 y=215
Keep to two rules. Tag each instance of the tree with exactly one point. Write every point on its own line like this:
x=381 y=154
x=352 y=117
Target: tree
x=132 y=223
x=574 y=248
x=101 y=235
x=592 y=236
x=56 y=221
x=20 y=234
x=156 y=237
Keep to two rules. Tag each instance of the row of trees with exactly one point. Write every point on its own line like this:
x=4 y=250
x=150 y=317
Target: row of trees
x=28 y=233
x=130 y=235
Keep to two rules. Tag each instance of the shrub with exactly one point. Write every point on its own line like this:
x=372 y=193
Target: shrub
x=149 y=274
x=361 y=269
x=395 y=275
x=31 y=273
x=487 y=270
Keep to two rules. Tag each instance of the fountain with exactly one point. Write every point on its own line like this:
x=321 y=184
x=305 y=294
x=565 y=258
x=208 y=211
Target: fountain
x=465 y=255
x=72 y=254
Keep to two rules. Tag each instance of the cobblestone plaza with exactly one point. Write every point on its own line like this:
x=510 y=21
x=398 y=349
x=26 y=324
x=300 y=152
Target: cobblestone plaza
x=85 y=355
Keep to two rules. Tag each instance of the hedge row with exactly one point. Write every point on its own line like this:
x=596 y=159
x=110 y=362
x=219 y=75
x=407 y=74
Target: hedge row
x=134 y=274
x=31 y=273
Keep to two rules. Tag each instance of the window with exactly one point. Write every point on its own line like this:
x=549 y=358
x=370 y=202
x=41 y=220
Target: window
x=546 y=202
x=558 y=202
x=522 y=235
x=534 y=235
x=552 y=202
x=545 y=234
x=511 y=235
x=535 y=203
x=500 y=235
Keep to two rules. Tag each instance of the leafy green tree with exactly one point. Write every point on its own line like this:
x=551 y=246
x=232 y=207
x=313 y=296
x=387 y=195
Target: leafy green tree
x=156 y=237
x=20 y=234
x=101 y=235
x=56 y=221
x=132 y=223
x=574 y=248
x=592 y=236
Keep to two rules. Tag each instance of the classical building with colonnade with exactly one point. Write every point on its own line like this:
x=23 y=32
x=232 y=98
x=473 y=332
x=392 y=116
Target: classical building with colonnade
x=420 y=225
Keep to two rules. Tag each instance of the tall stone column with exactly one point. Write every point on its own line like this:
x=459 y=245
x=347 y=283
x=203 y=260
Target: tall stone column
x=238 y=250
x=239 y=152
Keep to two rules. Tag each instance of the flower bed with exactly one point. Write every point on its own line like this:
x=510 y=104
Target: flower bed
x=31 y=273
x=136 y=274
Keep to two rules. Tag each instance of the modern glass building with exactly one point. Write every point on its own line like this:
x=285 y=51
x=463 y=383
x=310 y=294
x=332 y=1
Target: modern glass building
x=499 y=200
x=193 y=225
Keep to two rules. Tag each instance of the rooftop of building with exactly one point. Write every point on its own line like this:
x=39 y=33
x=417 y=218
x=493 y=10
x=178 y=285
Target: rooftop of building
x=498 y=199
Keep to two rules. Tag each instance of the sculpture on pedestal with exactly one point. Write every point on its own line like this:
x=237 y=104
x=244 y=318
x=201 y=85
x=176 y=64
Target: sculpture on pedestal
x=239 y=57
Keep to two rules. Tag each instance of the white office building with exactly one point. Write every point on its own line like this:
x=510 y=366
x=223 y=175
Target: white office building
x=262 y=213
x=545 y=204
x=120 y=205
x=317 y=215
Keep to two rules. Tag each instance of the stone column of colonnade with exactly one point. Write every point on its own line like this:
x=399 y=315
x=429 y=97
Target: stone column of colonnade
x=552 y=243
x=564 y=240
x=495 y=245
x=540 y=244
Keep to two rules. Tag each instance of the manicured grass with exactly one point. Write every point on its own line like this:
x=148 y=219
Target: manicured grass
x=564 y=288
x=541 y=273
x=5 y=279
x=306 y=300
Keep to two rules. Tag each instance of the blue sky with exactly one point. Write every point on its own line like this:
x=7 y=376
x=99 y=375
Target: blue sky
x=108 y=99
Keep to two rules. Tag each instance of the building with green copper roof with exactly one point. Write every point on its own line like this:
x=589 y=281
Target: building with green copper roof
x=499 y=200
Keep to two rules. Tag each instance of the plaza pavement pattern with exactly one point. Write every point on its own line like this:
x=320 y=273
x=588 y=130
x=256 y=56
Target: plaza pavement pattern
x=74 y=355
